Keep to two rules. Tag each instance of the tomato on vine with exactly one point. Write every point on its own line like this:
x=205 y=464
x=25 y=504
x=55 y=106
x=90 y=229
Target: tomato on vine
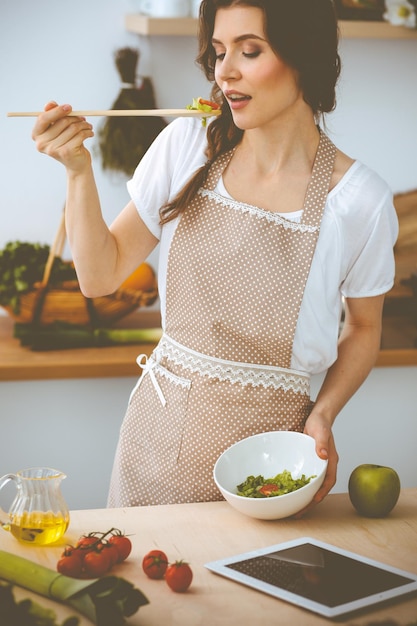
x=97 y=563
x=123 y=545
x=70 y=563
x=113 y=553
x=86 y=543
x=94 y=554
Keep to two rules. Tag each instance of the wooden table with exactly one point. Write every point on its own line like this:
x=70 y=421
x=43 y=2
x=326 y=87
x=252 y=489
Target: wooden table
x=200 y=533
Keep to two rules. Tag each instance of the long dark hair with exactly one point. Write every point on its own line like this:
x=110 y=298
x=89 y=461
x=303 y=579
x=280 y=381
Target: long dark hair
x=304 y=33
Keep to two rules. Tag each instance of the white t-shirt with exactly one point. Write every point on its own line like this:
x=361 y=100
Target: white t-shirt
x=354 y=254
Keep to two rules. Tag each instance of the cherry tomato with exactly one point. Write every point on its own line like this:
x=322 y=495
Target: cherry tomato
x=123 y=545
x=179 y=576
x=86 y=543
x=70 y=563
x=154 y=564
x=97 y=562
x=269 y=489
x=113 y=553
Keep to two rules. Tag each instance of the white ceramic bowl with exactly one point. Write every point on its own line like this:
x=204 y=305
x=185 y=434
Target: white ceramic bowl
x=269 y=454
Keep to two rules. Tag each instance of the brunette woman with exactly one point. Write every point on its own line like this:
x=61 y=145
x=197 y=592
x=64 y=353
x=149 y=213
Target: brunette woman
x=265 y=228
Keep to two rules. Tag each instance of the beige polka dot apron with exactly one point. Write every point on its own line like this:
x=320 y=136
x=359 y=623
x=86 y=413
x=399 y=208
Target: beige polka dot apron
x=221 y=372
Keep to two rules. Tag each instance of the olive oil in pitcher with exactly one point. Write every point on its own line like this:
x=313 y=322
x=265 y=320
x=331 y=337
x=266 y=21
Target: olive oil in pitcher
x=38 y=514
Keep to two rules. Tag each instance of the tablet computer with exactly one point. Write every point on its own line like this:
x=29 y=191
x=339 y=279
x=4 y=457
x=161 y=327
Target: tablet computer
x=317 y=576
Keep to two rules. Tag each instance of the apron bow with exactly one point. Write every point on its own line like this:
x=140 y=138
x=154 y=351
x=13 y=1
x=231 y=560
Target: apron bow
x=147 y=365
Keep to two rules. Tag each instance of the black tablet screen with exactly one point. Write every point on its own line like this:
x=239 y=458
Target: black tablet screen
x=319 y=574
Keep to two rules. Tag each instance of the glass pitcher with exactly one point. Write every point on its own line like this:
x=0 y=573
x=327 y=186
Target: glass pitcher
x=39 y=514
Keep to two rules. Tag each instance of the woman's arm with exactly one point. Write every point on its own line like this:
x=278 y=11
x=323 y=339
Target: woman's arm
x=103 y=256
x=358 y=348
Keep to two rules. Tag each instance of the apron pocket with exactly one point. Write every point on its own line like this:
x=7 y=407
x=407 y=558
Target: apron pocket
x=156 y=427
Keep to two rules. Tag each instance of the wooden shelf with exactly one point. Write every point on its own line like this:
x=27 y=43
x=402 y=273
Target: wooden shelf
x=187 y=27
x=375 y=30
x=177 y=26
x=20 y=363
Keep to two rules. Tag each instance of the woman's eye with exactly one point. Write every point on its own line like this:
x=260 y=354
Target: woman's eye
x=251 y=55
x=219 y=56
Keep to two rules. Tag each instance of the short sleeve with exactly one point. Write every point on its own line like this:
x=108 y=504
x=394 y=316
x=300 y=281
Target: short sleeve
x=354 y=258
x=371 y=269
x=176 y=153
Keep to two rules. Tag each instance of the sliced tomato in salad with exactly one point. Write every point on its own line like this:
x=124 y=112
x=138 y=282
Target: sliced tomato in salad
x=270 y=489
x=209 y=103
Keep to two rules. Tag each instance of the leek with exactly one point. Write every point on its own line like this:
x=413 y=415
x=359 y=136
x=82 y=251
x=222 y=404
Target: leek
x=62 y=335
x=117 y=336
x=105 y=601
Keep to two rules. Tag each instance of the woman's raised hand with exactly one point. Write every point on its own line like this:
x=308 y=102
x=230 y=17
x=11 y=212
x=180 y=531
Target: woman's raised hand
x=61 y=136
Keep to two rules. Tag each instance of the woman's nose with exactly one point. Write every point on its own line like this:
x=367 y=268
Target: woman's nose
x=228 y=69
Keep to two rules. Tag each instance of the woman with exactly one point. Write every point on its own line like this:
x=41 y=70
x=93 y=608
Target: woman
x=264 y=226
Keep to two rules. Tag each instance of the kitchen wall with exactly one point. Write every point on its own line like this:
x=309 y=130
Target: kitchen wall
x=73 y=425
x=51 y=51
x=65 y=52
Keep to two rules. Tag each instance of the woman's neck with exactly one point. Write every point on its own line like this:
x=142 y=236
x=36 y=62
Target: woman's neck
x=272 y=152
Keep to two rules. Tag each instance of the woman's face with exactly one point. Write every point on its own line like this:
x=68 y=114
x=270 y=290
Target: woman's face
x=259 y=87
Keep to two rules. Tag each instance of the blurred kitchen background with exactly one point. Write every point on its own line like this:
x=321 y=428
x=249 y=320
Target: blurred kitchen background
x=65 y=52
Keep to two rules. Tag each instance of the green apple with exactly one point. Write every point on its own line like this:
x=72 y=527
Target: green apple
x=374 y=489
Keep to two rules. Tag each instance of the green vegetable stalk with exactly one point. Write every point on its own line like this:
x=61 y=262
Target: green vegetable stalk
x=105 y=601
x=63 y=335
x=118 y=336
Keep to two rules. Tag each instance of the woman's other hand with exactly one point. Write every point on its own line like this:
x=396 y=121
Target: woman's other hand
x=318 y=428
x=61 y=136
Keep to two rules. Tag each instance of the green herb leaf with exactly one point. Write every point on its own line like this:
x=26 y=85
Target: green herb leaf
x=26 y=612
x=22 y=264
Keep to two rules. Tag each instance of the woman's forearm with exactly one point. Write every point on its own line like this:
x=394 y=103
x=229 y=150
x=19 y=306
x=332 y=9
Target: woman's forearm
x=357 y=352
x=93 y=248
x=358 y=349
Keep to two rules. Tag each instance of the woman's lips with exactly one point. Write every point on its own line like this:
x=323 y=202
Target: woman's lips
x=237 y=101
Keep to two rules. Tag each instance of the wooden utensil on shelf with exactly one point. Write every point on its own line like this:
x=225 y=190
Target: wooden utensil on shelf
x=55 y=250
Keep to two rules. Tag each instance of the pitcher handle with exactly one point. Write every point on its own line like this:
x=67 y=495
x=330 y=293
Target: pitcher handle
x=3 y=481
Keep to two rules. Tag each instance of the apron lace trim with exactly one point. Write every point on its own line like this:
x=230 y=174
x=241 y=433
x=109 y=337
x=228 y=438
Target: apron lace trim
x=257 y=212
x=232 y=371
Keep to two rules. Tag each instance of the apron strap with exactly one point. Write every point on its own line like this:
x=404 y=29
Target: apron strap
x=319 y=184
x=217 y=168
